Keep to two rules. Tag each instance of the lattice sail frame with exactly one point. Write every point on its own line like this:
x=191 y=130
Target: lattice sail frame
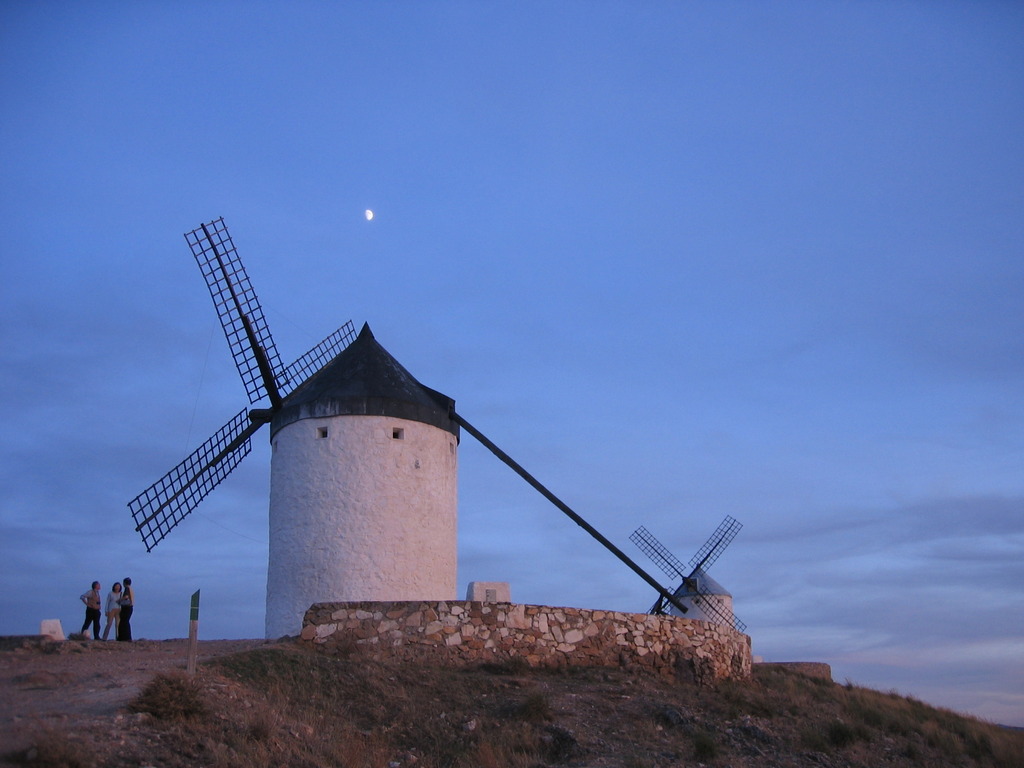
x=164 y=504
x=311 y=362
x=236 y=304
x=712 y=549
x=658 y=553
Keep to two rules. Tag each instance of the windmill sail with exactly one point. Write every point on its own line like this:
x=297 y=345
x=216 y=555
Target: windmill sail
x=164 y=504
x=238 y=307
x=317 y=358
x=657 y=552
x=716 y=543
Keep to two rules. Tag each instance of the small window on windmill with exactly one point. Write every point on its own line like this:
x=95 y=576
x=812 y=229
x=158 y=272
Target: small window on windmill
x=397 y=433
x=321 y=432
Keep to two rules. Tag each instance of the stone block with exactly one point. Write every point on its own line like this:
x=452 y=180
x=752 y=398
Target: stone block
x=489 y=592
x=324 y=630
x=52 y=629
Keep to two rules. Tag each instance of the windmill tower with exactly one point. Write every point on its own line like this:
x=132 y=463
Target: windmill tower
x=707 y=600
x=363 y=466
x=362 y=489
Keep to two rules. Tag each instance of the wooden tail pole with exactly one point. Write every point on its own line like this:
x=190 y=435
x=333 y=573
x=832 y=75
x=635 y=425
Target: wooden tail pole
x=193 y=634
x=665 y=594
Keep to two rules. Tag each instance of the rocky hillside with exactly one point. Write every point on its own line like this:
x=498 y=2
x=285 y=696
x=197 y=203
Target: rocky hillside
x=275 y=705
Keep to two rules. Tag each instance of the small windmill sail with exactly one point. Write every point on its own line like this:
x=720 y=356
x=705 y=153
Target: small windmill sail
x=693 y=578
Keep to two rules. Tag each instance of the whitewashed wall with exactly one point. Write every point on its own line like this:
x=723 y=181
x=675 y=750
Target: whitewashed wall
x=359 y=515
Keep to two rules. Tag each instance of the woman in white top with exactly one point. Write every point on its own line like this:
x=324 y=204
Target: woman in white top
x=113 y=609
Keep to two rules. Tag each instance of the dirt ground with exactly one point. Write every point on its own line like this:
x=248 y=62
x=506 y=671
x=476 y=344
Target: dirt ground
x=75 y=695
x=83 y=683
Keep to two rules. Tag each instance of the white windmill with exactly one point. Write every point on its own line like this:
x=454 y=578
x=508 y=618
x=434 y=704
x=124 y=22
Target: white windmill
x=363 y=465
x=364 y=462
x=704 y=598
x=363 y=488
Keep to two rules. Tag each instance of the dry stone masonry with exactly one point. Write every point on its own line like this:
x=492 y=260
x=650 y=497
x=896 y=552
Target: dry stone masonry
x=465 y=632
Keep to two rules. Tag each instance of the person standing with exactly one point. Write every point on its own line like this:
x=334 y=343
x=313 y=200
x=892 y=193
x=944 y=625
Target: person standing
x=92 y=610
x=127 y=602
x=113 y=609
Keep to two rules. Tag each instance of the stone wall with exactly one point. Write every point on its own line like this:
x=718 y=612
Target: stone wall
x=456 y=632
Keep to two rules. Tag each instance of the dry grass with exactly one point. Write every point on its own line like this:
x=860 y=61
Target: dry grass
x=929 y=735
x=283 y=705
x=535 y=708
x=171 y=696
x=55 y=749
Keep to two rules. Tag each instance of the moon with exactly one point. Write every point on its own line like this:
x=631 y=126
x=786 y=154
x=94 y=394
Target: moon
x=369 y=214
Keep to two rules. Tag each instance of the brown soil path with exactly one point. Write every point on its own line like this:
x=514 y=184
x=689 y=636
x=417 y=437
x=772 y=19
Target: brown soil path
x=78 y=683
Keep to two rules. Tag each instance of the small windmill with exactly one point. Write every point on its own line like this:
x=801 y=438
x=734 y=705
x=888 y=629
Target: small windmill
x=696 y=590
x=363 y=464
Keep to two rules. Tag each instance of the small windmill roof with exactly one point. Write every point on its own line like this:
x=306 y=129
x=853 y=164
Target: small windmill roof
x=364 y=379
x=707 y=584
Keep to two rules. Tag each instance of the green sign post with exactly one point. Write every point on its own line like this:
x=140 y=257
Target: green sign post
x=193 y=634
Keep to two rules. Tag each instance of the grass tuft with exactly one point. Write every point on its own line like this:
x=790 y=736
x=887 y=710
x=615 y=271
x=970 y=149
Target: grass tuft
x=840 y=734
x=170 y=696
x=53 y=749
x=704 y=746
x=534 y=708
x=516 y=665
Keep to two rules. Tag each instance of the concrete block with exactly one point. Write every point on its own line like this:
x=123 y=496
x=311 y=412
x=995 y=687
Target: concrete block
x=489 y=592
x=52 y=629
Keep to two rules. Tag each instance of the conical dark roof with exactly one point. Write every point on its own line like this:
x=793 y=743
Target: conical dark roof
x=364 y=379
x=708 y=586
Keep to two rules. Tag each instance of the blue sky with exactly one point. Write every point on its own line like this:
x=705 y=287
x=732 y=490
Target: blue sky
x=679 y=260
